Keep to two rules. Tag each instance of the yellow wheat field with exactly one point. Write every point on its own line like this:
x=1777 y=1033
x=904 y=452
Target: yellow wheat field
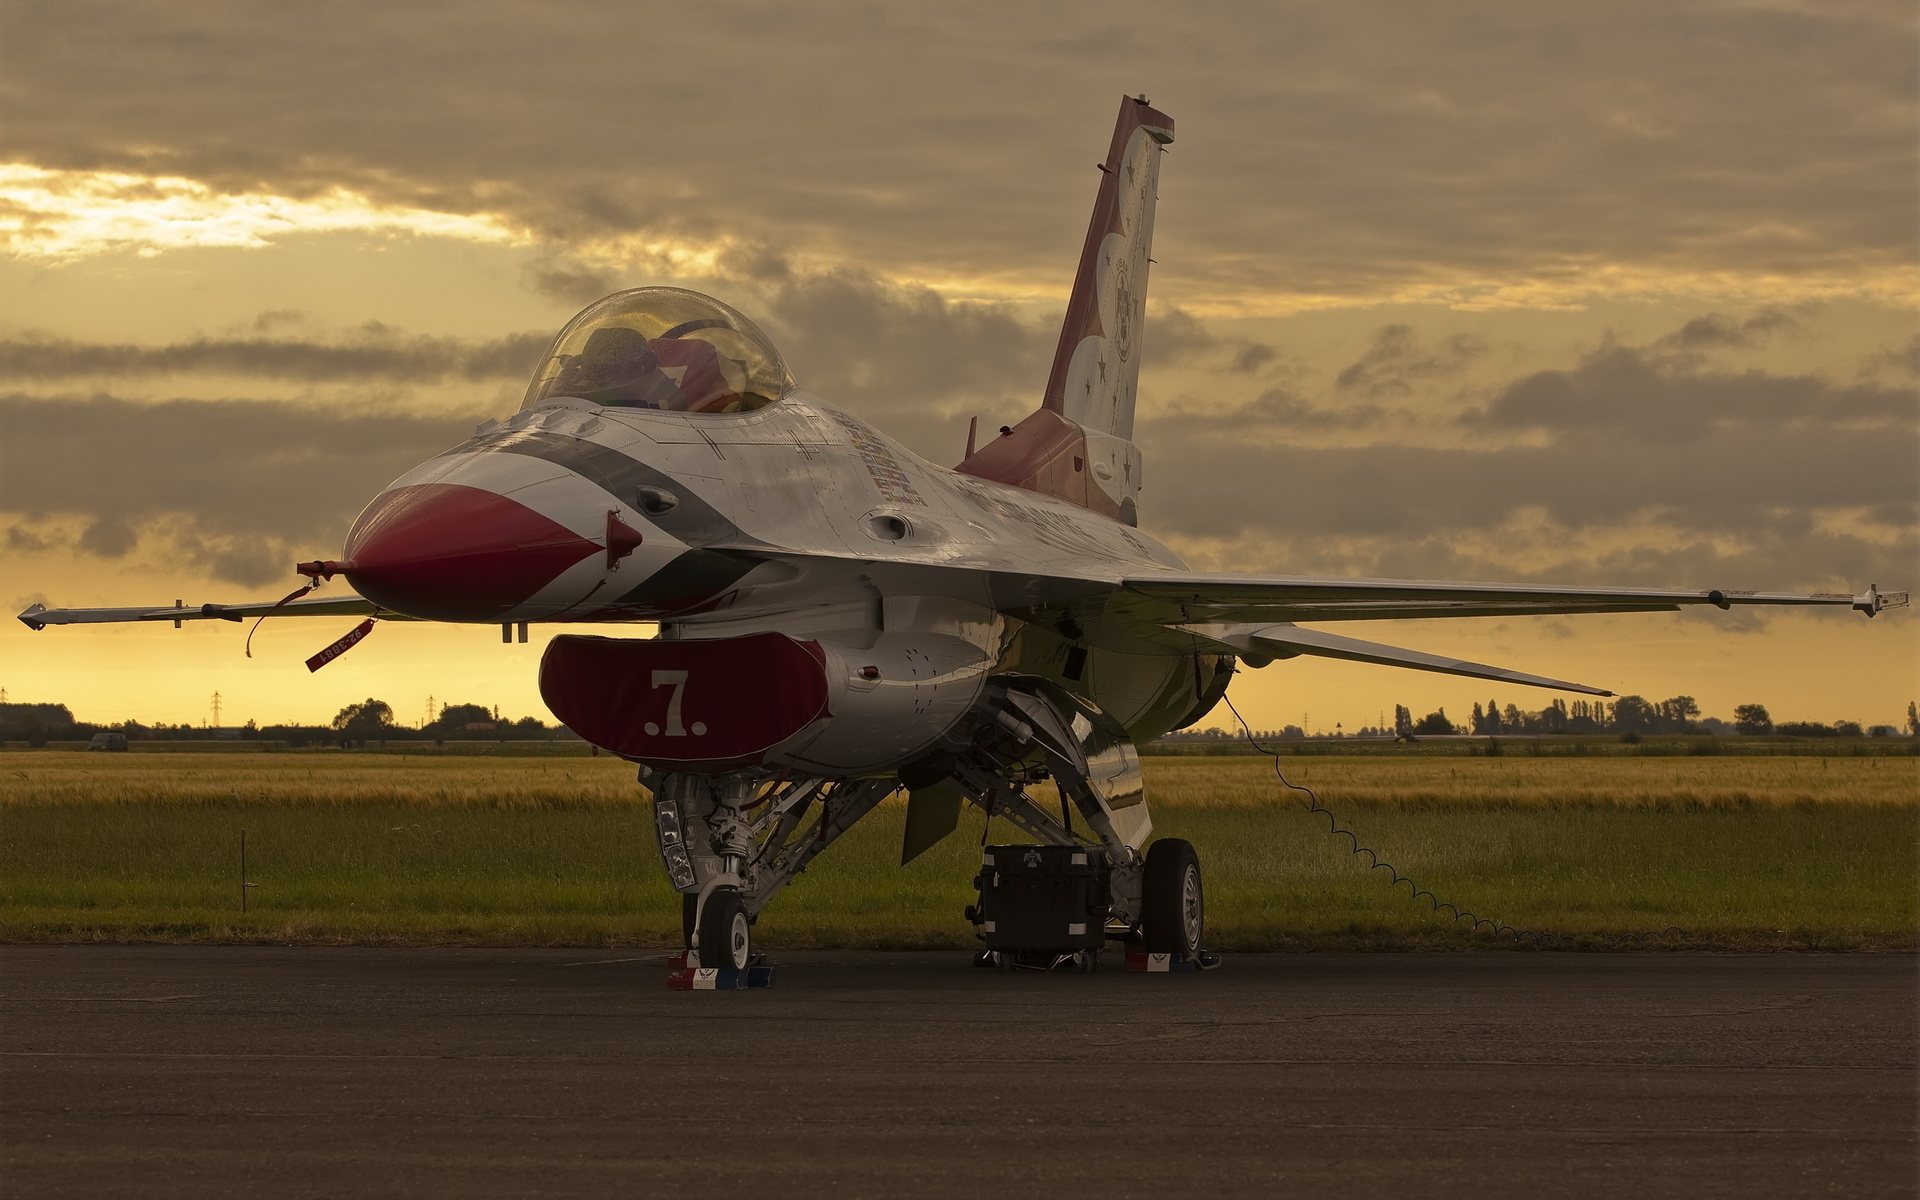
x=1656 y=783
x=340 y=779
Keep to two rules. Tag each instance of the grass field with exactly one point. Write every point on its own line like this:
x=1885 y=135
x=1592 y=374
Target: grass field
x=1741 y=853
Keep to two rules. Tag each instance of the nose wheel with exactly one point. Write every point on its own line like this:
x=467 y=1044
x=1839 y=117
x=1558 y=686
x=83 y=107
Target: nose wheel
x=726 y=935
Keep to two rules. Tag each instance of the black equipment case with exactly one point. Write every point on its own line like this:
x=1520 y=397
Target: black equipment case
x=1043 y=898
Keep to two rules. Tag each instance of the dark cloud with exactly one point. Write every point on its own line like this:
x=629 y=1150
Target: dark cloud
x=570 y=282
x=1902 y=363
x=27 y=539
x=239 y=488
x=1397 y=362
x=375 y=351
x=1719 y=331
x=1324 y=150
x=1177 y=337
x=1736 y=513
x=1255 y=357
x=904 y=352
x=1648 y=399
x=108 y=538
x=1276 y=410
x=1678 y=475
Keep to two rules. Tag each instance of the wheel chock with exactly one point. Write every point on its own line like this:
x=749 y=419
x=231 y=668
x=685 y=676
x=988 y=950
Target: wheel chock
x=683 y=978
x=1155 y=963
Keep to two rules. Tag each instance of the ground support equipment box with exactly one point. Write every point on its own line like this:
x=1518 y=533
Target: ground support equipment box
x=1043 y=898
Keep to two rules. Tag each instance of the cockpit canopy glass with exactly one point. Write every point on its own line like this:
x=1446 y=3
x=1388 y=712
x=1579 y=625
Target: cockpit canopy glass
x=662 y=348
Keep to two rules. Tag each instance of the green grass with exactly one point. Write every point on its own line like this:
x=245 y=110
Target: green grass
x=1741 y=854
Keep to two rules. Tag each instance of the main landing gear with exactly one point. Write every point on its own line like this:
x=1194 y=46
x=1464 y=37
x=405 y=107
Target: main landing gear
x=731 y=842
x=1173 y=912
x=1045 y=908
x=1173 y=915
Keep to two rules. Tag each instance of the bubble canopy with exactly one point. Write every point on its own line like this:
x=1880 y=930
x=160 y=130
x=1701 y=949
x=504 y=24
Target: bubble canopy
x=662 y=348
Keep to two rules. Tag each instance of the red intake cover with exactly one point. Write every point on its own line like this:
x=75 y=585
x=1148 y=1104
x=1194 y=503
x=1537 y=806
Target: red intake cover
x=703 y=706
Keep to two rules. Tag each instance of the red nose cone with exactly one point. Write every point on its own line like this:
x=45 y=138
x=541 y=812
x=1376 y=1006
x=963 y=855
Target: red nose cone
x=446 y=552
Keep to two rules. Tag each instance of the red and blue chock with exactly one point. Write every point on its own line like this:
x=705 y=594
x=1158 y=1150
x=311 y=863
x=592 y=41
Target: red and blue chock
x=684 y=978
x=1140 y=960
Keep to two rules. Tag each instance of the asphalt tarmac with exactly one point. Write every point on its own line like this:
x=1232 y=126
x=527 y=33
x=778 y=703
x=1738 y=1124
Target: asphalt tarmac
x=160 y=1071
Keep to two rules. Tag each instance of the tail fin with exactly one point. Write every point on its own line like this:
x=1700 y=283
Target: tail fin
x=1097 y=363
x=1084 y=427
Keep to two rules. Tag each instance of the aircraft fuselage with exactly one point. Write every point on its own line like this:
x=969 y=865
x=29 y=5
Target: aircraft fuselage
x=795 y=518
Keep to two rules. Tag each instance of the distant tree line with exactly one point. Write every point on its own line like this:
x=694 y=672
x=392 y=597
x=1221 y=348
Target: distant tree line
x=365 y=721
x=1630 y=716
x=38 y=724
x=372 y=720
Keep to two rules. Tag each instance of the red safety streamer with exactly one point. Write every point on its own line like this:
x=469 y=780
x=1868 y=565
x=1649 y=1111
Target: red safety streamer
x=352 y=639
x=312 y=583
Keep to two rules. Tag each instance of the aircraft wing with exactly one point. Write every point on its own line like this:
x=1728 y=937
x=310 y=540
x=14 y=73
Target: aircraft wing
x=39 y=616
x=1252 y=616
x=1185 y=598
x=1164 y=609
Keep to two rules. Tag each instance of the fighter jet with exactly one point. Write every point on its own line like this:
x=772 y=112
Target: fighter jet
x=840 y=619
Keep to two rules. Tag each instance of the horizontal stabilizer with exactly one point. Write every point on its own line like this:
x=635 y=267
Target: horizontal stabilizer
x=39 y=616
x=1286 y=641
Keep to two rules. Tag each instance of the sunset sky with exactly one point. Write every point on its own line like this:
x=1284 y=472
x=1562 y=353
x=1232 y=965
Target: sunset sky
x=1607 y=294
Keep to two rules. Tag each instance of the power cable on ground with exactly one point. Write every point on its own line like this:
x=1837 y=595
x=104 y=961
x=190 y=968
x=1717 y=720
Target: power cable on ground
x=1475 y=922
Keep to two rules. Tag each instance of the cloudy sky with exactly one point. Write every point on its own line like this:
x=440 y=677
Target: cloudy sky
x=1580 y=293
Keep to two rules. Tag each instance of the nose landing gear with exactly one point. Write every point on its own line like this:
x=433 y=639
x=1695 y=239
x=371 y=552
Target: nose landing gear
x=729 y=844
x=719 y=956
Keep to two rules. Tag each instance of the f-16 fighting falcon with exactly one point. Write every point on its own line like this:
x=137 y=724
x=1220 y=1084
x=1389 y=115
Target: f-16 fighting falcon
x=840 y=619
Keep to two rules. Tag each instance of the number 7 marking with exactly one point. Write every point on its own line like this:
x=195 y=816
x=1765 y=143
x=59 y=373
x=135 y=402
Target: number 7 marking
x=678 y=681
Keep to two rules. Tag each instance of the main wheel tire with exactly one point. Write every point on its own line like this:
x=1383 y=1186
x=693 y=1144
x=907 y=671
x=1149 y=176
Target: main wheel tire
x=689 y=908
x=726 y=936
x=1173 y=906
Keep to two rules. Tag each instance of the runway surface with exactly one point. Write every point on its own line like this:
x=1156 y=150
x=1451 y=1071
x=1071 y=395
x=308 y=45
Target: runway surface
x=160 y=1071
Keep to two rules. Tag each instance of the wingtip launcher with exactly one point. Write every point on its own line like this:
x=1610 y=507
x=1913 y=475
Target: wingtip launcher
x=38 y=616
x=1873 y=600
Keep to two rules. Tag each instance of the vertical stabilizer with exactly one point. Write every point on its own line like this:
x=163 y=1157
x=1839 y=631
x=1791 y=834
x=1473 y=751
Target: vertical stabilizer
x=1079 y=445
x=1097 y=364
